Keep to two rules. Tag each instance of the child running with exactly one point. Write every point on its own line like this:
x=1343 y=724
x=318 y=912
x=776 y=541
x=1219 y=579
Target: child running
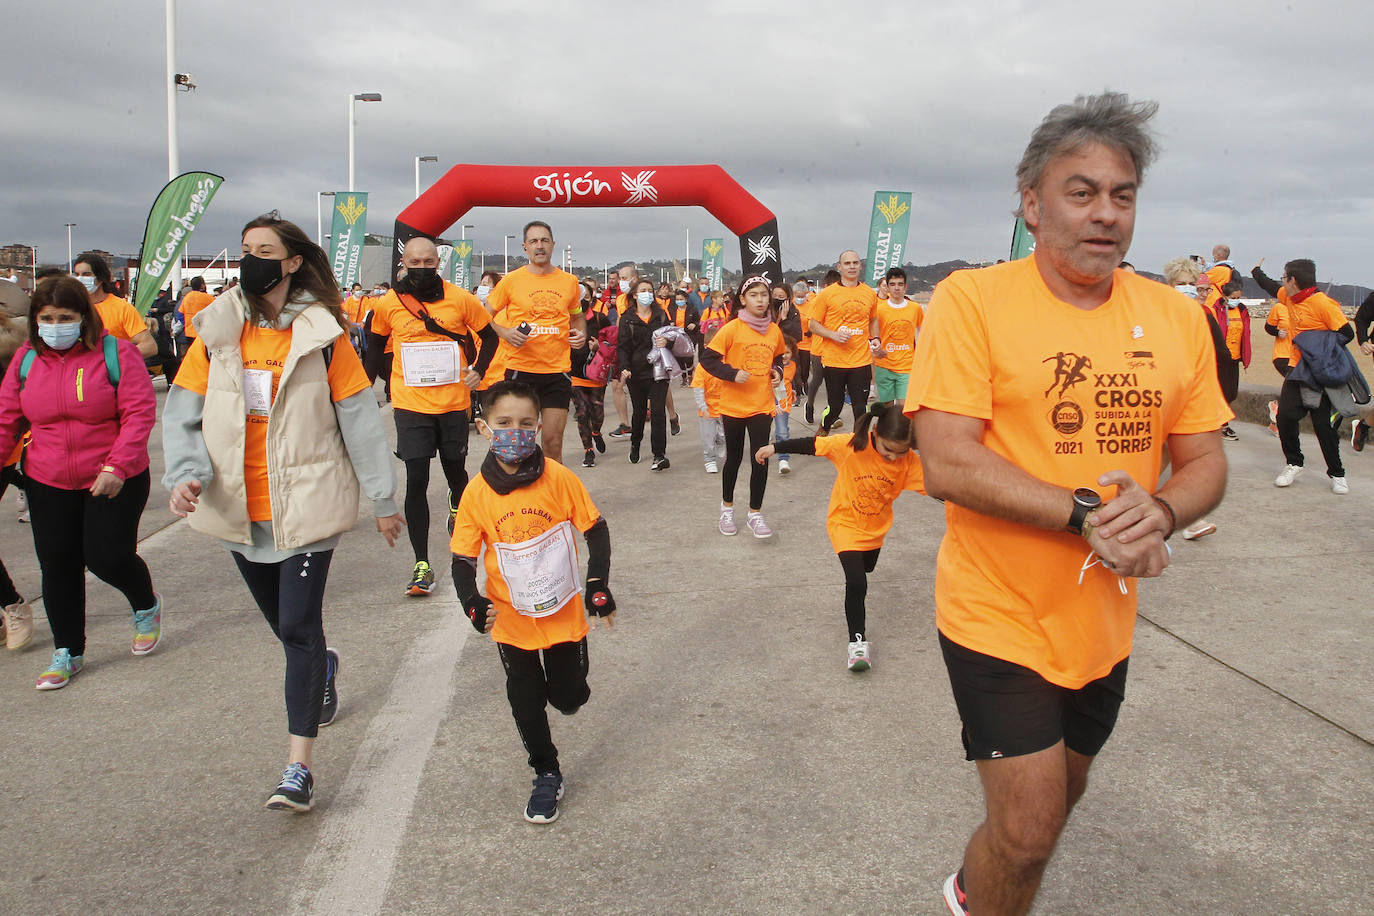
x=747 y=355
x=523 y=509
x=874 y=466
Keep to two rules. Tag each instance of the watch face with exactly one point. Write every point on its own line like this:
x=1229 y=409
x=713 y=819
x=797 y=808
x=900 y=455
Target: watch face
x=1086 y=497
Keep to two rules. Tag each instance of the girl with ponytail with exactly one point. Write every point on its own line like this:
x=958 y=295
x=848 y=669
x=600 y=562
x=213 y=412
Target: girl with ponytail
x=873 y=466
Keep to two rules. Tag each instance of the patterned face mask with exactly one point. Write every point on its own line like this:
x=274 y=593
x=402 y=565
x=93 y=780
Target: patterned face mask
x=514 y=445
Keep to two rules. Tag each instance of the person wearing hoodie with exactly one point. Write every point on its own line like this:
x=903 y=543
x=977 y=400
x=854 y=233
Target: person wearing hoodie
x=266 y=442
x=648 y=396
x=88 y=400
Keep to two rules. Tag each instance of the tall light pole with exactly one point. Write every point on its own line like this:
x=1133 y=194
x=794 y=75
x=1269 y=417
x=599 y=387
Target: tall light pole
x=70 y=227
x=353 y=123
x=33 y=275
x=505 y=247
x=687 y=260
x=319 y=216
x=418 y=160
x=463 y=231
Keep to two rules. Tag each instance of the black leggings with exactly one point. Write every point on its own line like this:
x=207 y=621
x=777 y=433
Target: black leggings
x=417 y=497
x=857 y=564
x=1291 y=411
x=1282 y=367
x=560 y=681
x=816 y=374
x=838 y=383
x=290 y=595
x=760 y=425
x=649 y=395
x=8 y=593
x=74 y=531
x=589 y=406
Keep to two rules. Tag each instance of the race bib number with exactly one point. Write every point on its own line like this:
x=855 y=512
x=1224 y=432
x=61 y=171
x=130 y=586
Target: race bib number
x=257 y=392
x=541 y=573
x=425 y=365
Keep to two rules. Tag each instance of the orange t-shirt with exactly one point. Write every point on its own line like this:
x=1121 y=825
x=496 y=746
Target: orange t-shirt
x=744 y=348
x=120 y=318
x=804 y=312
x=710 y=388
x=191 y=305
x=851 y=307
x=485 y=517
x=1235 y=327
x=354 y=309
x=1318 y=312
x=898 y=326
x=459 y=312
x=866 y=486
x=1278 y=317
x=266 y=349
x=1067 y=395
x=548 y=302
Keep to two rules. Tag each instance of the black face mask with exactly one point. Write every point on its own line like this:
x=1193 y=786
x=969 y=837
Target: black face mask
x=424 y=284
x=258 y=275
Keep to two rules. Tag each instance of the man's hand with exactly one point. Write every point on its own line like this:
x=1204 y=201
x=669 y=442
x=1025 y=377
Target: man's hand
x=624 y=375
x=741 y=376
x=1128 y=532
x=107 y=484
x=577 y=339
x=471 y=378
x=512 y=336
x=1367 y=347
x=1283 y=334
x=390 y=526
x=841 y=336
x=1259 y=264
x=185 y=495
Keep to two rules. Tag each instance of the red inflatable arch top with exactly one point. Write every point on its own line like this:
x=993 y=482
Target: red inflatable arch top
x=466 y=186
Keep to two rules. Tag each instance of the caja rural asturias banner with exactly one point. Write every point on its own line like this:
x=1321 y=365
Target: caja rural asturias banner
x=174 y=216
x=347 y=234
x=712 y=266
x=887 y=232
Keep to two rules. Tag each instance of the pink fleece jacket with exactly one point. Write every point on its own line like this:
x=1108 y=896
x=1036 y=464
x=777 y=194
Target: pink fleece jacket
x=79 y=422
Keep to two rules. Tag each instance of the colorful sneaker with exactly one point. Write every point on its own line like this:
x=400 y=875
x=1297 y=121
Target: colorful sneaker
x=727 y=521
x=1339 y=486
x=1273 y=411
x=758 y=526
x=711 y=467
x=63 y=668
x=18 y=625
x=148 y=628
x=599 y=442
x=452 y=514
x=675 y=425
x=1289 y=474
x=955 y=898
x=620 y=432
x=588 y=461
x=422 y=582
x=329 y=704
x=548 y=792
x=295 y=792
x=784 y=466
x=859 y=659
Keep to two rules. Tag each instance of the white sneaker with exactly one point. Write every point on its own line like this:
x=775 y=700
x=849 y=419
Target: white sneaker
x=1289 y=474
x=784 y=466
x=1339 y=486
x=858 y=655
x=711 y=467
x=1199 y=529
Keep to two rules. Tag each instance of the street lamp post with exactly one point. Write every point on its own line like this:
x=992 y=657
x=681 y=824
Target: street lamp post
x=352 y=125
x=463 y=231
x=505 y=247
x=418 y=160
x=319 y=216
x=70 y=227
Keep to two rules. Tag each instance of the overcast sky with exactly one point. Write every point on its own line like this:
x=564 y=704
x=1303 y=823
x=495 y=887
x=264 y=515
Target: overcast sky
x=1266 y=115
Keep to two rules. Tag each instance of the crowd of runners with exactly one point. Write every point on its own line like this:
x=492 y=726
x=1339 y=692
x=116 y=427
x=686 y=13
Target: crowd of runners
x=1069 y=412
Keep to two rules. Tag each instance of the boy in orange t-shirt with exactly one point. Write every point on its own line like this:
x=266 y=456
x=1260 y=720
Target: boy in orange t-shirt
x=523 y=510
x=872 y=468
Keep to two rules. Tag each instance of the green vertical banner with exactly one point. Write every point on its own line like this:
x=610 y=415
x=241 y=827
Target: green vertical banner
x=348 y=232
x=1022 y=242
x=461 y=263
x=712 y=265
x=887 y=232
x=174 y=216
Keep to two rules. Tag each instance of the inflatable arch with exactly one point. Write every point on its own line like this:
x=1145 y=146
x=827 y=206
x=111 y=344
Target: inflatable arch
x=709 y=186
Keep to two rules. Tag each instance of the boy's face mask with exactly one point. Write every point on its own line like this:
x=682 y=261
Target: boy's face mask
x=514 y=445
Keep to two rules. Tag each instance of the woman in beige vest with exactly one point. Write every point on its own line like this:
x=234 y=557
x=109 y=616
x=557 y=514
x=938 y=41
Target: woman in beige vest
x=269 y=429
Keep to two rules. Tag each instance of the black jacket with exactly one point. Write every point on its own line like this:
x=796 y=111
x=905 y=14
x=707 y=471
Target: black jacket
x=636 y=340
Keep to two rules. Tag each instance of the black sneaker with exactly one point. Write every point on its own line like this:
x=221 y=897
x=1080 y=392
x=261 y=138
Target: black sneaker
x=955 y=898
x=634 y=454
x=599 y=442
x=329 y=706
x=548 y=792
x=675 y=425
x=588 y=461
x=1228 y=433
x=1359 y=435
x=620 y=432
x=810 y=413
x=295 y=792
x=660 y=464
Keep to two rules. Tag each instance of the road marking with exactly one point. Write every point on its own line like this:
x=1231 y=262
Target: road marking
x=350 y=868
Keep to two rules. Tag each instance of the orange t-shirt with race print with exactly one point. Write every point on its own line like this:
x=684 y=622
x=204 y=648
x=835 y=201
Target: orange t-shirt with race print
x=191 y=305
x=399 y=319
x=866 y=486
x=266 y=350
x=851 y=307
x=744 y=348
x=1066 y=394
x=898 y=326
x=120 y=318
x=1278 y=317
x=1318 y=312
x=548 y=302
x=486 y=518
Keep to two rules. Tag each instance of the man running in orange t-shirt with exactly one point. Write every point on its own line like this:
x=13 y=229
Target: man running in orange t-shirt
x=1036 y=383
x=844 y=319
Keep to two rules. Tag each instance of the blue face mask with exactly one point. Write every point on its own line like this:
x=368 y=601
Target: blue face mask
x=644 y=298
x=60 y=336
x=514 y=445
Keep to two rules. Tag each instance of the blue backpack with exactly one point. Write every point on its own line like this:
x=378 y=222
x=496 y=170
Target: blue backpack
x=109 y=346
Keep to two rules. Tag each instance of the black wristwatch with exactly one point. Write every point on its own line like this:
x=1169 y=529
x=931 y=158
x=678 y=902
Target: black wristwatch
x=1084 y=501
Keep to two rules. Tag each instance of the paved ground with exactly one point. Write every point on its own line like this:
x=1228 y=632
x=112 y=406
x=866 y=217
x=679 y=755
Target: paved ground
x=727 y=763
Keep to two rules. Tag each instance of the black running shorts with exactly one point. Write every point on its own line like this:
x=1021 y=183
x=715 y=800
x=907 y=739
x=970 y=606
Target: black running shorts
x=1009 y=710
x=554 y=388
x=420 y=435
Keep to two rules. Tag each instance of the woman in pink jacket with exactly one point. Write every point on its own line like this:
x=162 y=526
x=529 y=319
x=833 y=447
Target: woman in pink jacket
x=89 y=402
